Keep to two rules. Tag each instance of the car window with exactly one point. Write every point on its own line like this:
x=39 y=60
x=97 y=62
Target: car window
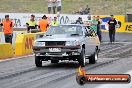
x=71 y=30
x=65 y=29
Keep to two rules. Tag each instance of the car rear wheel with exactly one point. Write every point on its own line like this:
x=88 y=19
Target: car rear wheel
x=82 y=59
x=93 y=59
x=54 y=61
x=38 y=61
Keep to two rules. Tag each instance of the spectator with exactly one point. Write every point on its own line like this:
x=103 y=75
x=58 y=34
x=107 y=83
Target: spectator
x=49 y=6
x=59 y=6
x=43 y=24
x=31 y=24
x=54 y=3
x=55 y=22
x=99 y=28
x=79 y=21
x=7 y=28
x=83 y=10
x=87 y=10
x=112 y=23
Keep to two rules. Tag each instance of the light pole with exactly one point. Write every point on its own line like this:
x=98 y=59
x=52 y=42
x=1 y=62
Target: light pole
x=125 y=8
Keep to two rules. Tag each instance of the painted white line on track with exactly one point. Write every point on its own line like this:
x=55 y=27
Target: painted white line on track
x=129 y=85
x=14 y=58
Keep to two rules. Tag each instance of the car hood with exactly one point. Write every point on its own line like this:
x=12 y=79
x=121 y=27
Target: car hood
x=60 y=38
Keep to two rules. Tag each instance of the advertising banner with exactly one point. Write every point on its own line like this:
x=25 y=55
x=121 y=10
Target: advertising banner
x=120 y=23
x=20 y=20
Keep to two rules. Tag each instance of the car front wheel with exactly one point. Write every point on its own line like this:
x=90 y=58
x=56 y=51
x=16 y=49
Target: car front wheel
x=82 y=59
x=38 y=61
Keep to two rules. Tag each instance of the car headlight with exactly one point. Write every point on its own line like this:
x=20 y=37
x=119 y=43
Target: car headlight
x=39 y=44
x=68 y=43
x=72 y=43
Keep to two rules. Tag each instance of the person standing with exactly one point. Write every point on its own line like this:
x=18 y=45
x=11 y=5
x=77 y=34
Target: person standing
x=59 y=6
x=8 y=29
x=99 y=33
x=49 y=6
x=43 y=24
x=54 y=3
x=55 y=22
x=31 y=24
x=112 y=24
x=94 y=24
x=87 y=10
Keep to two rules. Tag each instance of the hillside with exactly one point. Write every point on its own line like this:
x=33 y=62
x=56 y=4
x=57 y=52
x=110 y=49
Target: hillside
x=40 y=6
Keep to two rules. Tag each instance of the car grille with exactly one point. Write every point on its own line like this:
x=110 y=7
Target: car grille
x=54 y=43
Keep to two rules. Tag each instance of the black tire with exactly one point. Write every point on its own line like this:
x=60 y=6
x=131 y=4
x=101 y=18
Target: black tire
x=54 y=61
x=82 y=58
x=38 y=61
x=93 y=58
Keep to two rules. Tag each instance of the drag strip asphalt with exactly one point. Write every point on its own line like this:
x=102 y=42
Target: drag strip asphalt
x=22 y=73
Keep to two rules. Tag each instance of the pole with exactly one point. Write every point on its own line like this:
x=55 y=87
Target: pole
x=125 y=8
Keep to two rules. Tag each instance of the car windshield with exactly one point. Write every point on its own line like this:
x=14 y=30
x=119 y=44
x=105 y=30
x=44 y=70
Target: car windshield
x=65 y=29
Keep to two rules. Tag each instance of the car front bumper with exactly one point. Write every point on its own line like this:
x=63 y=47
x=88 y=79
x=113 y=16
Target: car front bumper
x=66 y=51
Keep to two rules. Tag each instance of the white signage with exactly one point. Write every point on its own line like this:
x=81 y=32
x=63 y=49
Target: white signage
x=20 y=19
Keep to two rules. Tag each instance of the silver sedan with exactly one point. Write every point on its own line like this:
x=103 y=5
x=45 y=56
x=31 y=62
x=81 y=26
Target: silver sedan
x=67 y=42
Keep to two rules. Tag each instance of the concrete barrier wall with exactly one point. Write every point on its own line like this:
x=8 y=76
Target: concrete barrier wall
x=15 y=34
x=6 y=50
x=24 y=43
